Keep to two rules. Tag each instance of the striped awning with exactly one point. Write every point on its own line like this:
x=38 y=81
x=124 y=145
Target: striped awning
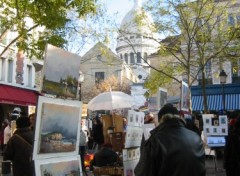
x=215 y=102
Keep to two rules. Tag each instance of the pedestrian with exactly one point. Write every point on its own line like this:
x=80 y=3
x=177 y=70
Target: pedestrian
x=232 y=152
x=172 y=149
x=97 y=130
x=4 y=125
x=6 y=135
x=32 y=121
x=82 y=145
x=19 y=148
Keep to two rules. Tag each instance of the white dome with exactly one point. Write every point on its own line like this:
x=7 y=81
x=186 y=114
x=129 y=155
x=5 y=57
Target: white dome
x=130 y=25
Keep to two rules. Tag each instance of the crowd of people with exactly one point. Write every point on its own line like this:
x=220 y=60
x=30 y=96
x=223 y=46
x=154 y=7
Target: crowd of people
x=174 y=147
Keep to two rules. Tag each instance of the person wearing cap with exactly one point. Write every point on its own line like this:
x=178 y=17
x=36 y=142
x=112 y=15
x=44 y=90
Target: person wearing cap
x=20 y=147
x=172 y=149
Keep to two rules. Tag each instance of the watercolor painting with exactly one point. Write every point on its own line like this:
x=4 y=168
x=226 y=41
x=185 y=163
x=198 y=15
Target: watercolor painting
x=57 y=127
x=59 y=166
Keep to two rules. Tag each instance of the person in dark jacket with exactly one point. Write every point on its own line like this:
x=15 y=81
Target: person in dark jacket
x=232 y=151
x=20 y=147
x=172 y=149
x=97 y=130
x=105 y=156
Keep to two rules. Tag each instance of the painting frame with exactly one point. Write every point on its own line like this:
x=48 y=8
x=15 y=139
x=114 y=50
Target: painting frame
x=64 y=162
x=57 y=128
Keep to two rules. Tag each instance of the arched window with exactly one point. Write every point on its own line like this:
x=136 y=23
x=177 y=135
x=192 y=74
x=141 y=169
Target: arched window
x=145 y=55
x=126 y=57
x=139 y=58
x=121 y=56
x=132 y=61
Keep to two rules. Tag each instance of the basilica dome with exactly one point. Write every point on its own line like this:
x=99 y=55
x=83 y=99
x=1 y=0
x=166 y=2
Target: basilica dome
x=137 y=20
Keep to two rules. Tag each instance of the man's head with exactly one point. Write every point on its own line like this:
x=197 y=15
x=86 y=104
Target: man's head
x=167 y=110
x=23 y=122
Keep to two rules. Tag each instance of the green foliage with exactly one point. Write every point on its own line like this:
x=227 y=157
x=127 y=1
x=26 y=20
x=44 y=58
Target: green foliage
x=196 y=32
x=50 y=15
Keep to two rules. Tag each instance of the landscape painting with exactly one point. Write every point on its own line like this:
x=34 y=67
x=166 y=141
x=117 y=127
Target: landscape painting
x=60 y=73
x=57 y=127
x=59 y=166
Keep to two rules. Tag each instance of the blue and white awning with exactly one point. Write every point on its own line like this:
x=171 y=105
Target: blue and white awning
x=215 y=102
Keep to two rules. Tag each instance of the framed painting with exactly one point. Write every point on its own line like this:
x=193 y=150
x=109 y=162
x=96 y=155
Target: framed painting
x=223 y=121
x=70 y=165
x=57 y=128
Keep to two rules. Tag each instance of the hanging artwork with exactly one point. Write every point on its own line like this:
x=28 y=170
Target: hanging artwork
x=70 y=165
x=57 y=127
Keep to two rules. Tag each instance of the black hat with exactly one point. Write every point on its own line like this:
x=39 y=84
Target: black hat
x=167 y=109
x=22 y=122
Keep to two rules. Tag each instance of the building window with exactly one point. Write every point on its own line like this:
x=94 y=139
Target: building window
x=139 y=36
x=126 y=57
x=29 y=75
x=208 y=69
x=99 y=77
x=139 y=58
x=145 y=56
x=121 y=56
x=238 y=19
x=231 y=20
x=235 y=71
x=132 y=61
x=10 y=71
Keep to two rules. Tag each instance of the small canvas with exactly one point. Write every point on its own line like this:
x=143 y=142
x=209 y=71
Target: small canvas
x=223 y=121
x=131 y=120
x=223 y=131
x=70 y=165
x=207 y=130
x=57 y=128
x=207 y=119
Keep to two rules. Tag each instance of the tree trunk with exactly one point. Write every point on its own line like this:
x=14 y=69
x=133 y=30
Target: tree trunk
x=205 y=106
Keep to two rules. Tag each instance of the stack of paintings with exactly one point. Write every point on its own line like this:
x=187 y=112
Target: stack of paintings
x=57 y=137
x=58 y=117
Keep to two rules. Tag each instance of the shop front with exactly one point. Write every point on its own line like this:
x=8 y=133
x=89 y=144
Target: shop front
x=219 y=97
x=12 y=97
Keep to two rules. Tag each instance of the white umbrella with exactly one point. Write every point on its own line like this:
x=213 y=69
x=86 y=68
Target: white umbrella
x=111 y=100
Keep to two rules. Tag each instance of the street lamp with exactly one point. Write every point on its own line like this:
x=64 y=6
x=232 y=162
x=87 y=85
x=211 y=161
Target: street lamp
x=223 y=79
x=80 y=81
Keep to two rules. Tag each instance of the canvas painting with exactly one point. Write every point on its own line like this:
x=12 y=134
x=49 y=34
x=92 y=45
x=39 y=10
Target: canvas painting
x=207 y=119
x=162 y=97
x=59 y=166
x=57 y=127
x=223 y=120
x=60 y=73
x=223 y=131
x=130 y=120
